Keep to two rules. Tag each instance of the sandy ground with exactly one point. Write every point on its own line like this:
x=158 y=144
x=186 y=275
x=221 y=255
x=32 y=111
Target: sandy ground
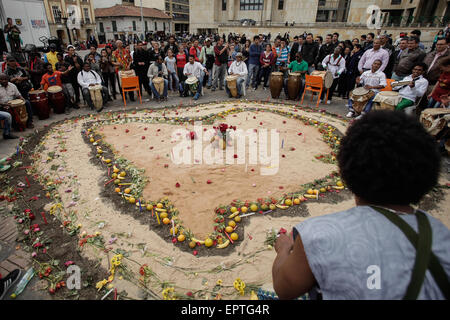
x=252 y=261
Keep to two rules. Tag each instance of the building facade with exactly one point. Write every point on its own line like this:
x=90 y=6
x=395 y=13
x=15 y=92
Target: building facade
x=124 y=21
x=70 y=20
x=348 y=17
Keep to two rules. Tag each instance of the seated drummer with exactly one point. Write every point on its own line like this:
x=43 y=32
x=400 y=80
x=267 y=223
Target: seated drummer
x=54 y=78
x=8 y=92
x=298 y=66
x=18 y=76
x=373 y=80
x=158 y=69
x=238 y=67
x=194 y=69
x=89 y=78
x=415 y=89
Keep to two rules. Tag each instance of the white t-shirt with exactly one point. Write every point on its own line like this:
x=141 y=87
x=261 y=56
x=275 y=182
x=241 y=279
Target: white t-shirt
x=9 y=93
x=373 y=79
x=419 y=89
x=171 y=64
x=194 y=69
x=239 y=68
x=87 y=78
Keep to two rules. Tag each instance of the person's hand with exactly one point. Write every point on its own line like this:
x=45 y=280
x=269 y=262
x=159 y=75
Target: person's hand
x=445 y=99
x=358 y=80
x=412 y=84
x=368 y=87
x=207 y=73
x=70 y=68
x=92 y=85
x=284 y=243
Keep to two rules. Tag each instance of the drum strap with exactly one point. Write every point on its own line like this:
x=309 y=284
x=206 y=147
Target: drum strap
x=336 y=63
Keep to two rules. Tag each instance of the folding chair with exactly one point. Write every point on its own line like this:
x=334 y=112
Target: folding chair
x=388 y=87
x=130 y=84
x=313 y=84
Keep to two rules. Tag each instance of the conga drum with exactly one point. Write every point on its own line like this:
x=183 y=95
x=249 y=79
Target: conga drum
x=360 y=96
x=18 y=111
x=96 y=96
x=276 y=84
x=39 y=103
x=327 y=77
x=158 y=82
x=192 y=82
x=232 y=84
x=435 y=120
x=294 y=84
x=387 y=100
x=57 y=99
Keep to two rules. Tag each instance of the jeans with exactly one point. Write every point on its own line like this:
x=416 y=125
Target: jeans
x=433 y=103
x=156 y=93
x=173 y=76
x=239 y=83
x=87 y=96
x=264 y=72
x=187 y=88
x=210 y=77
x=252 y=75
x=219 y=75
x=8 y=121
x=367 y=108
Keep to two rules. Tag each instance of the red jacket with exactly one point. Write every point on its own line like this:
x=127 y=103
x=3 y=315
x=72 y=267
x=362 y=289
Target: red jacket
x=270 y=60
x=193 y=52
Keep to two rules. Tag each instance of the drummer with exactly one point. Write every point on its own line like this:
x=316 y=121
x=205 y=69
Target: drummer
x=374 y=80
x=238 y=67
x=299 y=66
x=54 y=78
x=194 y=69
x=158 y=70
x=416 y=88
x=8 y=92
x=89 y=78
x=335 y=63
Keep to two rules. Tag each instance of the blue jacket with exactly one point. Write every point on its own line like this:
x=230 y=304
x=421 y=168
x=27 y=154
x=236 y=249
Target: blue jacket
x=255 y=52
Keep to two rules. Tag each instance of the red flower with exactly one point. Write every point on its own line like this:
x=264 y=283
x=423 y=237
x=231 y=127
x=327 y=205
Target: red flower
x=192 y=135
x=209 y=182
x=143 y=137
x=300 y=133
x=31 y=216
x=283 y=231
x=223 y=127
x=174 y=240
x=189 y=294
x=145 y=129
x=126 y=131
x=235 y=156
x=195 y=252
x=177 y=185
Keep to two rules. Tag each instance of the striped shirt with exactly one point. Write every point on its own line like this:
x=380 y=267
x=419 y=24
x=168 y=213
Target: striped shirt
x=283 y=58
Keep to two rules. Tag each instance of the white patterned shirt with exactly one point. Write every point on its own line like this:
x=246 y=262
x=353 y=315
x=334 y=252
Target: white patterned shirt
x=9 y=93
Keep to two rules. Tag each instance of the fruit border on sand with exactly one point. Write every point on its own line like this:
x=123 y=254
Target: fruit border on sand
x=124 y=184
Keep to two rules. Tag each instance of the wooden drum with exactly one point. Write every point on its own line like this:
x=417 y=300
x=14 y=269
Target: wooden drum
x=232 y=84
x=294 y=84
x=360 y=96
x=18 y=111
x=276 y=84
x=39 y=103
x=57 y=99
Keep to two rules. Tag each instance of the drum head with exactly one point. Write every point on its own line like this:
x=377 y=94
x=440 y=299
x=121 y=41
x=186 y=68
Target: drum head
x=277 y=73
x=16 y=102
x=158 y=80
x=389 y=93
x=36 y=92
x=232 y=77
x=191 y=80
x=294 y=74
x=328 y=79
x=54 y=89
x=360 y=91
x=318 y=73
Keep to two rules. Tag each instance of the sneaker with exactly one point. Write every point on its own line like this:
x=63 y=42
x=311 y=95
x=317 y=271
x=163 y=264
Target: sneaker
x=197 y=95
x=351 y=114
x=7 y=282
x=329 y=102
x=255 y=88
x=9 y=136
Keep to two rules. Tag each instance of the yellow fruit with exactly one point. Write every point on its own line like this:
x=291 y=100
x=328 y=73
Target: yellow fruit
x=117 y=181
x=117 y=190
x=234 y=236
x=244 y=209
x=123 y=174
x=339 y=184
x=115 y=170
x=288 y=202
x=108 y=160
x=172 y=231
x=297 y=201
x=254 y=207
x=99 y=151
x=192 y=244
x=316 y=191
x=166 y=220
x=272 y=206
x=127 y=190
x=163 y=215
x=181 y=238
x=132 y=200
x=233 y=209
x=149 y=207
x=229 y=229
x=310 y=191
x=237 y=219
x=322 y=190
x=232 y=224
x=114 y=176
x=159 y=205
x=208 y=242
x=91 y=140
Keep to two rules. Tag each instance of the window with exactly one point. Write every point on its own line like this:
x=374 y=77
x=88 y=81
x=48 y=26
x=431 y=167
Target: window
x=114 y=25
x=102 y=29
x=146 y=26
x=156 y=26
x=56 y=14
x=87 y=19
x=134 y=25
x=164 y=26
x=394 y=2
x=280 y=4
x=224 y=5
x=252 y=4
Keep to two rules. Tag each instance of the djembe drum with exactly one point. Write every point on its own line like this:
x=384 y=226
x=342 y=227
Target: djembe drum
x=276 y=84
x=232 y=84
x=435 y=120
x=387 y=100
x=294 y=84
x=96 y=96
x=18 y=111
x=192 y=82
x=57 y=99
x=327 y=77
x=360 y=96
x=39 y=103
x=158 y=82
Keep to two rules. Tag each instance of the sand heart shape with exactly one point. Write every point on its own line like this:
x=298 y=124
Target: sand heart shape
x=196 y=189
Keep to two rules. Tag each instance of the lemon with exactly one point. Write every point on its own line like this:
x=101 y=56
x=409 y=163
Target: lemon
x=108 y=160
x=127 y=190
x=322 y=190
x=149 y=207
x=232 y=224
x=288 y=202
x=192 y=244
x=166 y=220
x=254 y=207
x=237 y=219
x=310 y=191
x=208 y=242
x=339 y=184
x=123 y=174
x=163 y=215
x=91 y=140
x=181 y=238
x=244 y=209
x=117 y=190
x=99 y=151
x=172 y=231
x=234 y=236
x=159 y=205
x=229 y=229
x=233 y=209
x=297 y=201
x=132 y=200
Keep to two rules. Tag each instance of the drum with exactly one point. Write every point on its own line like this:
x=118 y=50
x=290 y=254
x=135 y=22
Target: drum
x=360 y=97
x=158 y=82
x=232 y=84
x=327 y=77
x=39 y=103
x=18 y=111
x=57 y=99
x=387 y=100
x=293 y=85
x=96 y=96
x=192 y=82
x=276 y=84
x=435 y=119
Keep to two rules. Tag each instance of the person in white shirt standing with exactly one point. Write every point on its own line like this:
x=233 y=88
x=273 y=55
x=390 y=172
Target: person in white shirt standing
x=374 y=80
x=239 y=68
x=416 y=88
x=334 y=63
x=89 y=78
x=194 y=69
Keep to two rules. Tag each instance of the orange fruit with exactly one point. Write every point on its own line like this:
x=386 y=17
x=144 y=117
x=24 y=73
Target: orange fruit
x=132 y=200
x=159 y=205
x=229 y=229
x=310 y=191
x=163 y=215
x=288 y=202
x=339 y=184
x=254 y=207
x=127 y=190
x=181 y=238
x=297 y=201
x=234 y=236
x=166 y=220
x=232 y=224
x=123 y=174
x=149 y=207
x=192 y=244
x=244 y=209
x=117 y=190
x=233 y=209
x=322 y=190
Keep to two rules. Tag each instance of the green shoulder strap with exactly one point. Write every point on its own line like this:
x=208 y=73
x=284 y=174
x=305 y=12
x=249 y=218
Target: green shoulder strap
x=425 y=258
